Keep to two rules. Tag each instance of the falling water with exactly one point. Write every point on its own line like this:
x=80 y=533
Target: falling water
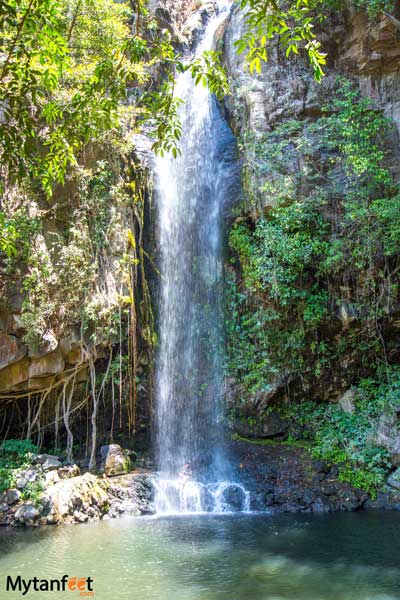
x=193 y=192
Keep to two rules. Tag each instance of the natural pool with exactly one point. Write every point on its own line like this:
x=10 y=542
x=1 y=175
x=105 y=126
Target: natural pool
x=348 y=556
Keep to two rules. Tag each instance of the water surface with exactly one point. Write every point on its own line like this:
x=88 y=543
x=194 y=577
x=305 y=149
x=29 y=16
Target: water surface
x=241 y=557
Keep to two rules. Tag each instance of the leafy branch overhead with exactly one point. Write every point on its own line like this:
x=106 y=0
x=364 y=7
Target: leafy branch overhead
x=69 y=67
x=290 y=23
x=66 y=69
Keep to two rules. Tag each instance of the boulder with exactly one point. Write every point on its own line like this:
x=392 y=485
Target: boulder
x=51 y=477
x=270 y=425
x=347 y=401
x=274 y=425
x=21 y=483
x=75 y=496
x=234 y=496
x=13 y=496
x=51 y=464
x=114 y=460
x=30 y=475
x=42 y=458
x=27 y=514
x=394 y=479
x=69 y=471
x=321 y=505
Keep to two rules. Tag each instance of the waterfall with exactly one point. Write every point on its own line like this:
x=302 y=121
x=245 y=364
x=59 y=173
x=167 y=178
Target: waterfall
x=193 y=191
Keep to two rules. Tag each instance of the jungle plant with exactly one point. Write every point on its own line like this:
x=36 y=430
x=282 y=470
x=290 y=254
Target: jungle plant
x=326 y=246
x=14 y=454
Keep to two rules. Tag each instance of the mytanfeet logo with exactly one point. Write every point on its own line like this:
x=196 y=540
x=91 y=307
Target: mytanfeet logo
x=81 y=585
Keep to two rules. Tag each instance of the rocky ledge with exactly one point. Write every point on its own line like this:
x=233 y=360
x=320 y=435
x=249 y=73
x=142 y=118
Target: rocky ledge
x=49 y=492
x=284 y=478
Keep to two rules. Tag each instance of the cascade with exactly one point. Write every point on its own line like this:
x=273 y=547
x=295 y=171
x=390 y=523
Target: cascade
x=193 y=192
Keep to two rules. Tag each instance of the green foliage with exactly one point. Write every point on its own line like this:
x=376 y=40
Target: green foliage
x=23 y=230
x=8 y=236
x=207 y=69
x=14 y=454
x=290 y=23
x=33 y=492
x=65 y=73
x=58 y=91
x=332 y=221
x=61 y=284
x=348 y=439
x=374 y=7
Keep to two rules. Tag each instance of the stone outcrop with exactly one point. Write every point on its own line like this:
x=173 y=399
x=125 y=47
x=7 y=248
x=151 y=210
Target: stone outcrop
x=68 y=497
x=114 y=460
x=285 y=478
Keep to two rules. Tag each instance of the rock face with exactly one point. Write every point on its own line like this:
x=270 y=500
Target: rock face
x=286 y=479
x=366 y=51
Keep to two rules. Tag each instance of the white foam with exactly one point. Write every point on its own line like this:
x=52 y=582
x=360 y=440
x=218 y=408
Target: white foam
x=177 y=496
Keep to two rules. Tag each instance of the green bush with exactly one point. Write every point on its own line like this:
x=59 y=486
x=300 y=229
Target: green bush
x=347 y=439
x=14 y=454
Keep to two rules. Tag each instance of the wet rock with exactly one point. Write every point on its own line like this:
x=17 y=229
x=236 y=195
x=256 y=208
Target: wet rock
x=321 y=505
x=114 y=460
x=234 y=497
x=385 y=500
x=13 y=496
x=284 y=478
x=3 y=508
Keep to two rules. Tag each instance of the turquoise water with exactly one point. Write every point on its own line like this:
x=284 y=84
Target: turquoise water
x=286 y=557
